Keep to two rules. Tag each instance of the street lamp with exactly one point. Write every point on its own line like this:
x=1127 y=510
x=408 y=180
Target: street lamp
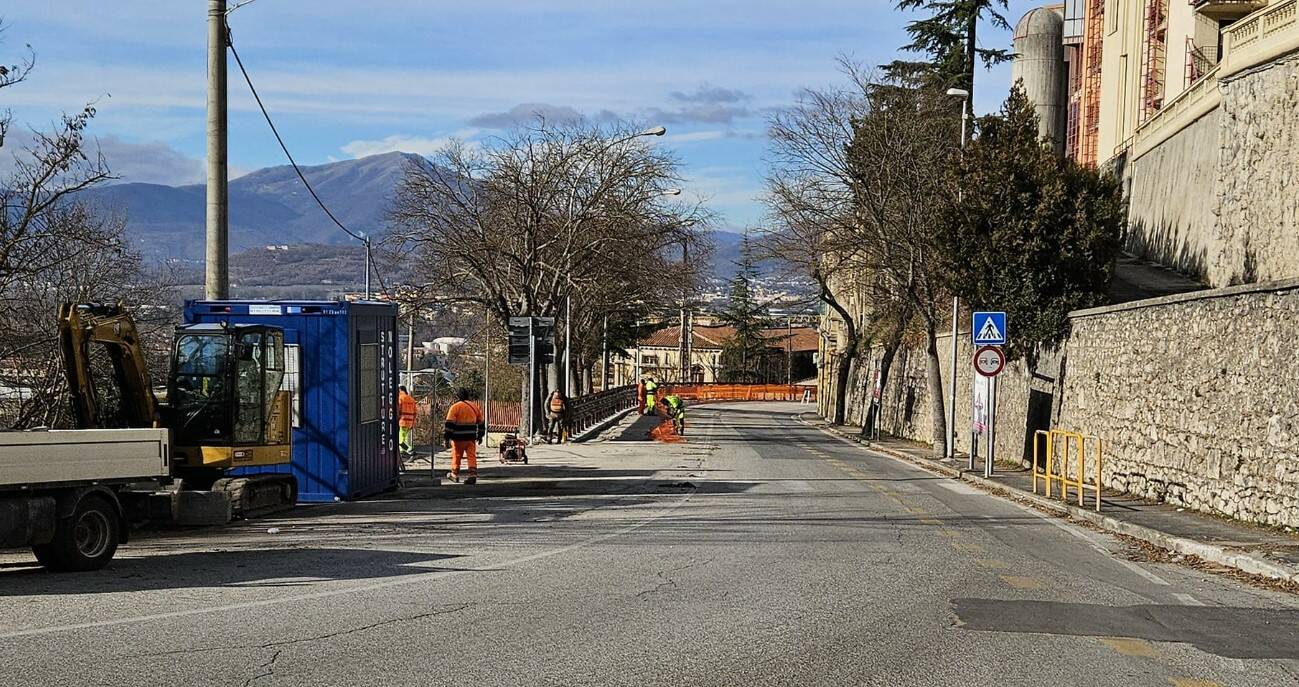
x=568 y=298
x=964 y=95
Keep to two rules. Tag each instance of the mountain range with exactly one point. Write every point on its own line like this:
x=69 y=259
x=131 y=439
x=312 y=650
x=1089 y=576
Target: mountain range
x=268 y=206
x=271 y=207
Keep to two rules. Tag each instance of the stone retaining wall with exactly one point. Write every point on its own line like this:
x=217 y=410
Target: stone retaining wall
x=1194 y=396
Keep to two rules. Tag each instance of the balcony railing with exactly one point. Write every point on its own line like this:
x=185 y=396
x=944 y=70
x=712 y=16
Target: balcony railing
x=1259 y=37
x=1259 y=26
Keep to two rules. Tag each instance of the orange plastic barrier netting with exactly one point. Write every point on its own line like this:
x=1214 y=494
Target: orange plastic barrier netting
x=741 y=392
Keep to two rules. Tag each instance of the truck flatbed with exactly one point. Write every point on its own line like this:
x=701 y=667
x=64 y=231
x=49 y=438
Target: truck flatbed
x=42 y=459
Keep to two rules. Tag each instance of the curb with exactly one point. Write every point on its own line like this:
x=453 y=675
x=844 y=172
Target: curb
x=1237 y=560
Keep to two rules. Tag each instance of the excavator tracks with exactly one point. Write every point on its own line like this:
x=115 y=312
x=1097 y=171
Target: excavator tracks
x=257 y=495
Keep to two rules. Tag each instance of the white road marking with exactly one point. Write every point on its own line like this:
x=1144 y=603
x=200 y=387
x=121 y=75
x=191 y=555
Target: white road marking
x=313 y=596
x=1188 y=599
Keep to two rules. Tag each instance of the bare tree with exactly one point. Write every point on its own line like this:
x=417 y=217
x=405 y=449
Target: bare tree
x=902 y=157
x=816 y=225
x=810 y=202
x=542 y=214
x=55 y=248
x=855 y=175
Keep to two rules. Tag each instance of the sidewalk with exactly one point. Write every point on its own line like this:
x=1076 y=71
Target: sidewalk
x=1248 y=548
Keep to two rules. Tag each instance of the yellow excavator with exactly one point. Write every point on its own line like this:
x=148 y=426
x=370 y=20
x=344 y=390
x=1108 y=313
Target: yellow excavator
x=224 y=405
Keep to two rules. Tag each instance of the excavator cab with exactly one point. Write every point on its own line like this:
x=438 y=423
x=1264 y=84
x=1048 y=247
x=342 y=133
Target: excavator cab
x=225 y=405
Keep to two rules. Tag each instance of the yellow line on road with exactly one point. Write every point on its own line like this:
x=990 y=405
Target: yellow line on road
x=1130 y=647
x=967 y=547
x=992 y=564
x=1020 y=582
x=1192 y=682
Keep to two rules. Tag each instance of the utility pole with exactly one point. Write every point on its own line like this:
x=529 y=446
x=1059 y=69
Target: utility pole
x=217 y=277
x=683 y=342
x=487 y=373
x=789 y=350
x=604 y=356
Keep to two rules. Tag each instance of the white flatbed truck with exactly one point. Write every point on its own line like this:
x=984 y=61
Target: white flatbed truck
x=68 y=494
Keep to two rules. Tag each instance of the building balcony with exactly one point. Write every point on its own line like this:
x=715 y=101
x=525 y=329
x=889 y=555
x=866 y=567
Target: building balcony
x=1227 y=10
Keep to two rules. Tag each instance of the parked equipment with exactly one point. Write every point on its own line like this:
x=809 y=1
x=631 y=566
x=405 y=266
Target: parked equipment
x=225 y=406
x=513 y=449
x=69 y=494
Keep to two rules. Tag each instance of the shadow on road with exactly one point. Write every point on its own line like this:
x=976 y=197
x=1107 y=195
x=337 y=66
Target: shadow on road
x=255 y=568
x=1225 y=631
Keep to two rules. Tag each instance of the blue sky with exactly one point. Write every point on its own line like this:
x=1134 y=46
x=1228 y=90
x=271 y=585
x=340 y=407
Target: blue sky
x=347 y=79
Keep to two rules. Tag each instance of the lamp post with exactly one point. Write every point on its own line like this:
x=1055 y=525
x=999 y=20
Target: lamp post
x=568 y=297
x=964 y=95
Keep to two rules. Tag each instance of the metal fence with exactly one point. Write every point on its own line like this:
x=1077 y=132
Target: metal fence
x=588 y=411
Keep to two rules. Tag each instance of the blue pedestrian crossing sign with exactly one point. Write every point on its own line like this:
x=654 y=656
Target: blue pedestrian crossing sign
x=989 y=329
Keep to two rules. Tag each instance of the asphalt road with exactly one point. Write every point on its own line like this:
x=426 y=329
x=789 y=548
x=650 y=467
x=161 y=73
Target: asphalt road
x=760 y=552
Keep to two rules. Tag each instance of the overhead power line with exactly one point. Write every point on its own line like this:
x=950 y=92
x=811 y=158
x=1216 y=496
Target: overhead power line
x=279 y=139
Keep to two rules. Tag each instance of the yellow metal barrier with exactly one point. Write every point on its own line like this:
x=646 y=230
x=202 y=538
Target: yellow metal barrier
x=1055 y=468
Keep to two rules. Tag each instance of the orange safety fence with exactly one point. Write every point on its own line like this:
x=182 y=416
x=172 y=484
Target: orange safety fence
x=741 y=392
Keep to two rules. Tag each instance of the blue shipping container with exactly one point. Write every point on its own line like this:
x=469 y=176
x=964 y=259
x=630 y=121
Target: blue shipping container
x=341 y=364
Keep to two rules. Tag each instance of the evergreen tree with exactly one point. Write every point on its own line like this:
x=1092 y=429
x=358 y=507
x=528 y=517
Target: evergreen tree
x=948 y=39
x=1033 y=233
x=744 y=354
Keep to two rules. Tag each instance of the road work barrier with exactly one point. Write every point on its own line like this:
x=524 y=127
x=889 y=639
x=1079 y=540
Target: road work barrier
x=1066 y=460
x=714 y=391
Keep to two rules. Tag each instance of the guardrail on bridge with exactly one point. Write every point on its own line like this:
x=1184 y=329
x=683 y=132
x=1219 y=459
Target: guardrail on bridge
x=588 y=411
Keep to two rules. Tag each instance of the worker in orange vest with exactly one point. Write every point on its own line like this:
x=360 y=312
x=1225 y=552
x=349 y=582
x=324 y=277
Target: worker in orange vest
x=464 y=428
x=406 y=412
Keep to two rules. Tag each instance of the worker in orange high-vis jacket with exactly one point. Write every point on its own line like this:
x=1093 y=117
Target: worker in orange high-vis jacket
x=464 y=428
x=406 y=412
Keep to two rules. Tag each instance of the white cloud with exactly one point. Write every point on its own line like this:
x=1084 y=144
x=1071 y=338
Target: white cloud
x=149 y=162
x=695 y=136
x=405 y=144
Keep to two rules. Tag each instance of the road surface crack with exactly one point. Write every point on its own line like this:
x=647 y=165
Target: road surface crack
x=279 y=645
x=267 y=668
x=669 y=582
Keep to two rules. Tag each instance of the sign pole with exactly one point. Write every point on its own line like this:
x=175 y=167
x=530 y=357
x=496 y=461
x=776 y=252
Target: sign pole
x=532 y=374
x=951 y=427
x=992 y=428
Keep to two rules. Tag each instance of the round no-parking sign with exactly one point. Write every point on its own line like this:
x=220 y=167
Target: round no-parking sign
x=989 y=361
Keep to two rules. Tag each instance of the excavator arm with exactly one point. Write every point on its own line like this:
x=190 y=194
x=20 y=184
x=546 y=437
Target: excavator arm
x=109 y=326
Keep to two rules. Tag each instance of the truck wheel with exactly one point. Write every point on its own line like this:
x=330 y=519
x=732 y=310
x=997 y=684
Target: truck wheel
x=86 y=541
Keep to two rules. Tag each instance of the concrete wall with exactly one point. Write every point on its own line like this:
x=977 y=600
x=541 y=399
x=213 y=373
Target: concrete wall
x=1217 y=200
x=1172 y=214
x=1193 y=395
x=1258 y=175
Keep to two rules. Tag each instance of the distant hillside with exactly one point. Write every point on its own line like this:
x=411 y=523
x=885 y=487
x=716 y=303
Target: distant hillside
x=269 y=206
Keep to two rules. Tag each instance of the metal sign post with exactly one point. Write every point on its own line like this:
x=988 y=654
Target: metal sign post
x=989 y=362
x=532 y=376
x=988 y=333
